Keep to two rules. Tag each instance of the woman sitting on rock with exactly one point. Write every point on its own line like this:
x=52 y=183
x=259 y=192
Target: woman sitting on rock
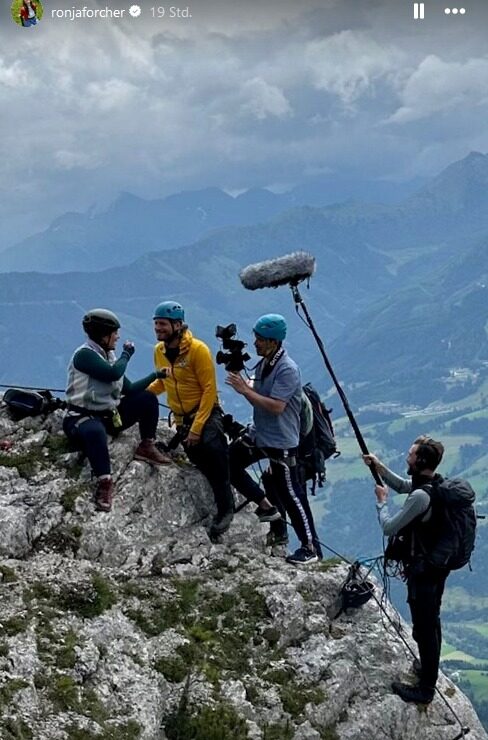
x=102 y=400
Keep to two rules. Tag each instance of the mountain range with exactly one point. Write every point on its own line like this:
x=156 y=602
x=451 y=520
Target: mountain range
x=402 y=287
x=133 y=226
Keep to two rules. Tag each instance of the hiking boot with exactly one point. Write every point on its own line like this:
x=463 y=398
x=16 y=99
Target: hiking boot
x=416 y=694
x=273 y=539
x=221 y=523
x=267 y=515
x=104 y=494
x=148 y=452
x=302 y=556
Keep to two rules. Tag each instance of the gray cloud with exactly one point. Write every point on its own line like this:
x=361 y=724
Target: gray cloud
x=437 y=86
x=349 y=64
x=243 y=94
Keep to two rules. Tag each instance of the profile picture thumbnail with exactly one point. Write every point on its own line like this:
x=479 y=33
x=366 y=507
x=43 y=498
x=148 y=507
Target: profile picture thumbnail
x=27 y=12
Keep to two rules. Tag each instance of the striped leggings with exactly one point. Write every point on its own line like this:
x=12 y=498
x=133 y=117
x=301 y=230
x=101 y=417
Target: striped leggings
x=288 y=490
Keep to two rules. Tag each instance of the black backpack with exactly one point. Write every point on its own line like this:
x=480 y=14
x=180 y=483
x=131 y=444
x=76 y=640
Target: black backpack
x=22 y=403
x=447 y=539
x=449 y=536
x=319 y=444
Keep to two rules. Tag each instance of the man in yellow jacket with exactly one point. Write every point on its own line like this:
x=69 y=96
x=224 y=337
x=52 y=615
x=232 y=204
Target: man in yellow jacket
x=191 y=390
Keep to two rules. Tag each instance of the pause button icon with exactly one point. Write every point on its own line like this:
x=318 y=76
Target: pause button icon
x=419 y=11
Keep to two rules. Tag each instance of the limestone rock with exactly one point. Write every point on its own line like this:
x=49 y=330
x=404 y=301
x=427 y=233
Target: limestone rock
x=132 y=624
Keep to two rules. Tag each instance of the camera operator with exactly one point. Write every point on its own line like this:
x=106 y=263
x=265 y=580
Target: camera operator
x=276 y=398
x=192 y=397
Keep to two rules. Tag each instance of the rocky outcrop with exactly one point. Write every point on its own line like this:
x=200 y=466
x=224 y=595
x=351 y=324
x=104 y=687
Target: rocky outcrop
x=133 y=624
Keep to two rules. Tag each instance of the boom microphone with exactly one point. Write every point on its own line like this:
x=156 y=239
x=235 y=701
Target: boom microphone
x=288 y=270
x=291 y=270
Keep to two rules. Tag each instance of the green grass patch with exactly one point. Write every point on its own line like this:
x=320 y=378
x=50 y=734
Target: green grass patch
x=253 y=599
x=458 y=655
x=280 y=675
x=67 y=696
x=457 y=599
x=329 y=563
x=478 y=682
x=8 y=574
x=16 y=625
x=221 y=629
x=130 y=730
x=57 y=445
x=65 y=655
x=71 y=494
x=279 y=731
x=219 y=722
x=295 y=697
x=38 y=456
x=13 y=728
x=481 y=628
x=25 y=462
x=9 y=689
x=174 y=669
x=271 y=635
x=157 y=613
x=88 y=601
x=64 y=693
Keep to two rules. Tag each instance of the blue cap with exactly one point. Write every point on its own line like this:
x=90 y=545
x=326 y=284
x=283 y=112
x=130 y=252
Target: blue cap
x=271 y=326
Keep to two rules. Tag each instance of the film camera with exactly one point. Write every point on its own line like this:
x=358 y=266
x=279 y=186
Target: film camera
x=234 y=358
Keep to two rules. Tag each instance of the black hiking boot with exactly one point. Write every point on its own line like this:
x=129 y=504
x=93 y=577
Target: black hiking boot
x=267 y=515
x=416 y=694
x=221 y=524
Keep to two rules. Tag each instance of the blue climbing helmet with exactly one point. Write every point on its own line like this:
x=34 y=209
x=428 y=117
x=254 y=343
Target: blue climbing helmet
x=271 y=326
x=169 y=310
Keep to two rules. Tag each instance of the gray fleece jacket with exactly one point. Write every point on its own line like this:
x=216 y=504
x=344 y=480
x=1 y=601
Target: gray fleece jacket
x=417 y=503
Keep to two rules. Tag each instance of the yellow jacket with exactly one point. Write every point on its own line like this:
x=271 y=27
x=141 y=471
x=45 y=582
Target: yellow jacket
x=192 y=387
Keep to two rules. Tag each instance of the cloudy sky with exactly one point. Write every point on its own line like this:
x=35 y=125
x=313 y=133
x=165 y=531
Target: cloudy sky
x=250 y=93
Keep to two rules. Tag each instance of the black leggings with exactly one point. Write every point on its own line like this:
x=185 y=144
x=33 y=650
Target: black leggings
x=425 y=589
x=289 y=493
x=89 y=433
x=279 y=527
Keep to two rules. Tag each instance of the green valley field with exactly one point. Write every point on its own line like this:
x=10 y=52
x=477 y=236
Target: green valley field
x=346 y=511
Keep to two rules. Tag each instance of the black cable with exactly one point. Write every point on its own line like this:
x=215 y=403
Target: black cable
x=53 y=390
x=33 y=388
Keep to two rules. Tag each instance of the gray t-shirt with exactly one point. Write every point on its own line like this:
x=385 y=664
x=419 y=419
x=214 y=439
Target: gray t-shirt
x=281 y=431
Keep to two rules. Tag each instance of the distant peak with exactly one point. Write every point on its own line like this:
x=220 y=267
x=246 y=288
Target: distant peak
x=472 y=156
x=125 y=200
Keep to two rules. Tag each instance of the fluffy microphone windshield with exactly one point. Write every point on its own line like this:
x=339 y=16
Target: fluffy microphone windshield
x=292 y=268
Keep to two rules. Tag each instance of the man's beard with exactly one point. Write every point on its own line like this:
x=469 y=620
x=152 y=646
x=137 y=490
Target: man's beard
x=168 y=339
